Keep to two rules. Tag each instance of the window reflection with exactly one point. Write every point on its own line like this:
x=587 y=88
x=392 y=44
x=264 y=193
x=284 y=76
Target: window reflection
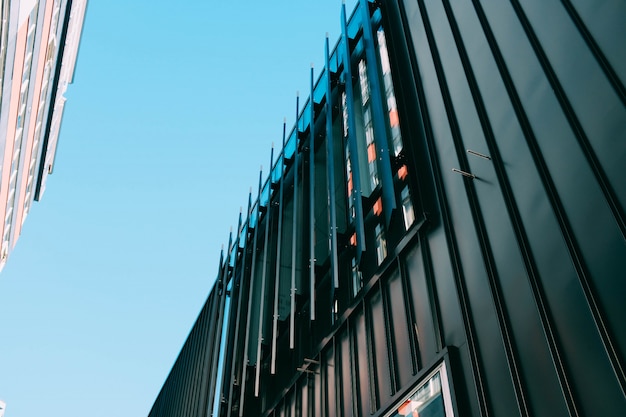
x=381 y=244
x=407 y=207
x=368 y=127
x=350 y=191
x=357 y=278
x=392 y=108
x=427 y=401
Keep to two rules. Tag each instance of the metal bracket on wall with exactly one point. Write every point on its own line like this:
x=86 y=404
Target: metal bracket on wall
x=465 y=174
x=305 y=366
x=308 y=371
x=480 y=155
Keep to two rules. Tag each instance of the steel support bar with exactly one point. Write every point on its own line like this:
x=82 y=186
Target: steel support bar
x=278 y=253
x=294 y=236
x=240 y=297
x=218 y=354
x=220 y=292
x=330 y=166
x=312 y=200
x=250 y=296
x=268 y=217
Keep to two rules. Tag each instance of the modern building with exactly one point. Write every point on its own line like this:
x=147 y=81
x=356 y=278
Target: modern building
x=443 y=232
x=39 y=45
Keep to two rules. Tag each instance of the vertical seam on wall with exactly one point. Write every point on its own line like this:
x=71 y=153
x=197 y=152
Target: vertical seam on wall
x=371 y=354
x=477 y=371
x=431 y=286
x=522 y=239
x=410 y=314
x=417 y=130
x=596 y=50
x=338 y=369
x=324 y=381
x=537 y=288
x=570 y=114
x=479 y=224
x=594 y=306
x=355 y=366
x=619 y=89
x=389 y=335
x=529 y=134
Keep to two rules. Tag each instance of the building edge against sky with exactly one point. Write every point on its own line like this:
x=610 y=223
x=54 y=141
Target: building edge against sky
x=443 y=232
x=40 y=40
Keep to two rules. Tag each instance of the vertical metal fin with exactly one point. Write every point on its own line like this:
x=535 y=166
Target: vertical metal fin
x=252 y=278
x=278 y=252
x=235 y=353
x=294 y=235
x=220 y=288
x=330 y=166
x=257 y=378
x=312 y=200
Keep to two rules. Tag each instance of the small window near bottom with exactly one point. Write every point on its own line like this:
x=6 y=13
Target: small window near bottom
x=431 y=398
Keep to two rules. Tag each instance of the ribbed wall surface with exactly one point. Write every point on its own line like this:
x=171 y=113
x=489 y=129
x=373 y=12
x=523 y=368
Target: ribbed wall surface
x=533 y=248
x=185 y=392
x=474 y=258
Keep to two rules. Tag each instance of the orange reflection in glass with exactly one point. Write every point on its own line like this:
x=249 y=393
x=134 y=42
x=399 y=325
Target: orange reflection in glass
x=403 y=172
x=393 y=118
x=378 y=207
x=407 y=409
x=350 y=186
x=371 y=152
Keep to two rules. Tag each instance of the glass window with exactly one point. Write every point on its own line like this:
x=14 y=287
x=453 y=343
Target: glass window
x=381 y=244
x=368 y=128
x=365 y=95
x=407 y=207
x=392 y=108
x=350 y=183
x=431 y=398
x=357 y=278
x=378 y=207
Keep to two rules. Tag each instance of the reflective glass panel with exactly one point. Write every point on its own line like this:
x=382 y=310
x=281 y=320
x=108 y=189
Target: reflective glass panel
x=427 y=401
x=381 y=244
x=407 y=208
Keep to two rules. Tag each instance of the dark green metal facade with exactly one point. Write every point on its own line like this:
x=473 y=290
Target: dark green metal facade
x=474 y=259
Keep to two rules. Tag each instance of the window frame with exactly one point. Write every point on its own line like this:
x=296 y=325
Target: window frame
x=446 y=390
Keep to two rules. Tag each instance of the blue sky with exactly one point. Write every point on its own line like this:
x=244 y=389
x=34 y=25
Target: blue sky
x=172 y=111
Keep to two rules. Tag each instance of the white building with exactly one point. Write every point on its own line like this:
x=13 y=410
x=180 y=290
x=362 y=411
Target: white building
x=38 y=46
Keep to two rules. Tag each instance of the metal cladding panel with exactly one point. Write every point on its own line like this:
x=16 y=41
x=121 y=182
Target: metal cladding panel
x=497 y=286
x=186 y=389
x=521 y=96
